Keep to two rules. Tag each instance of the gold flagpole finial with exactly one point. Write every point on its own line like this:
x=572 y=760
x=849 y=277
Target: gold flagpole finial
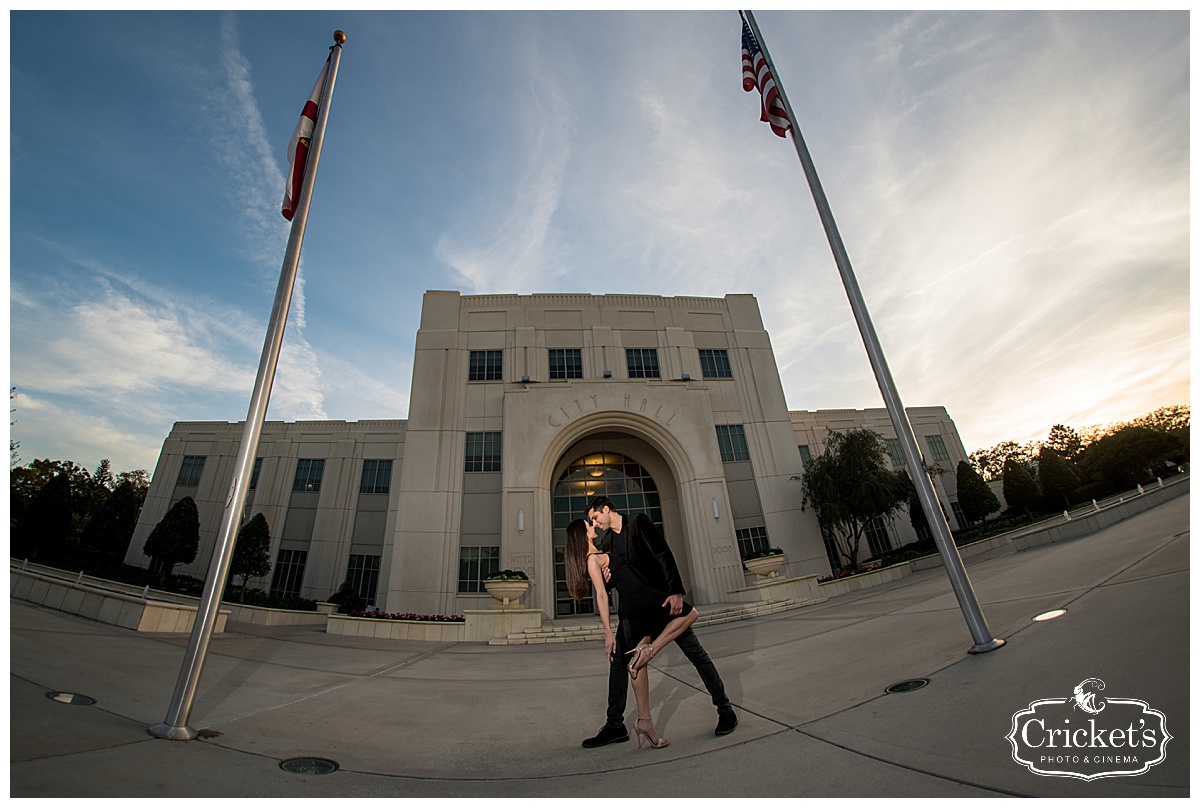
x=339 y=37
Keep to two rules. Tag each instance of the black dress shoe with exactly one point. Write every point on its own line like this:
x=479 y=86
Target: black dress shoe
x=726 y=722
x=610 y=734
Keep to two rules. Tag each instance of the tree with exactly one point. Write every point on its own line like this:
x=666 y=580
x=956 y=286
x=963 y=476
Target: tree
x=111 y=529
x=1065 y=442
x=45 y=526
x=252 y=552
x=175 y=539
x=990 y=462
x=849 y=485
x=975 y=496
x=13 y=445
x=1057 y=477
x=1124 y=456
x=1021 y=490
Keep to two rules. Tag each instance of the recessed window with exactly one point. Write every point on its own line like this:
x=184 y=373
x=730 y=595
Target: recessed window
x=714 y=364
x=805 y=456
x=486 y=366
x=937 y=447
x=752 y=540
x=475 y=564
x=483 y=451
x=363 y=575
x=308 y=475
x=731 y=438
x=254 y=474
x=897 y=453
x=642 y=363
x=376 y=477
x=289 y=573
x=566 y=363
x=189 y=472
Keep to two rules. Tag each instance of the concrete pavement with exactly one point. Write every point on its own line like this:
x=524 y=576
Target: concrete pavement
x=421 y=719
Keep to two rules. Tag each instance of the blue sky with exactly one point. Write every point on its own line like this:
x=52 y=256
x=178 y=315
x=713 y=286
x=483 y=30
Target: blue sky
x=1012 y=189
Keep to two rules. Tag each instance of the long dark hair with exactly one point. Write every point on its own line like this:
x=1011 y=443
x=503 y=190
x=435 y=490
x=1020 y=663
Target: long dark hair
x=579 y=585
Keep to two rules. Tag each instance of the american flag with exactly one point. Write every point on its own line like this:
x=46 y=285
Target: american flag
x=757 y=76
x=298 y=146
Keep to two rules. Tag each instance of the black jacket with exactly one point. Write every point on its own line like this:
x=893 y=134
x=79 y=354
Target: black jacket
x=648 y=554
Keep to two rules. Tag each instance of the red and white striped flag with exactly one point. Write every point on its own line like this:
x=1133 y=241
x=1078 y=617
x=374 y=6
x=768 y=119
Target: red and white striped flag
x=757 y=76
x=298 y=146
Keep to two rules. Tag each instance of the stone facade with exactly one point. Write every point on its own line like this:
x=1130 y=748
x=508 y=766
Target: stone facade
x=522 y=407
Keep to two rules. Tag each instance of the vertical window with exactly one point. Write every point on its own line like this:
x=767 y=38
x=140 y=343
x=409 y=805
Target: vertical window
x=805 y=456
x=254 y=474
x=958 y=515
x=289 y=572
x=475 y=564
x=714 y=364
x=376 y=477
x=566 y=363
x=483 y=451
x=486 y=366
x=363 y=574
x=897 y=453
x=937 y=447
x=877 y=536
x=752 y=539
x=642 y=363
x=189 y=472
x=732 y=440
x=308 y=475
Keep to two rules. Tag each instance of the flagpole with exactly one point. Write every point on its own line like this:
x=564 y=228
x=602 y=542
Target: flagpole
x=175 y=726
x=967 y=601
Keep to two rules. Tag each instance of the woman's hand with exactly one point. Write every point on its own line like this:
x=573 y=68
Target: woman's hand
x=610 y=645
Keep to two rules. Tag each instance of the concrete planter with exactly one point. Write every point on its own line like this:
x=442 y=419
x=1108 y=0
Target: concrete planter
x=506 y=593
x=766 y=566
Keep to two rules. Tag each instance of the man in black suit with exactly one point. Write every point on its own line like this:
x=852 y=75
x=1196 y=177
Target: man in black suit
x=639 y=541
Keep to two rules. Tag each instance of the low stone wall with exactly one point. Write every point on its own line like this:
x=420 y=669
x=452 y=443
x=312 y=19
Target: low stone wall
x=866 y=580
x=115 y=608
x=803 y=589
x=480 y=626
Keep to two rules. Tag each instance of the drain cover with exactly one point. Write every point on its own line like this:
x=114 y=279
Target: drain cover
x=308 y=765
x=907 y=686
x=71 y=698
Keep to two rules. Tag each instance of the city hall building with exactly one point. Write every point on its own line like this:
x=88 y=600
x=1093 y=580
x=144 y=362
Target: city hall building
x=522 y=409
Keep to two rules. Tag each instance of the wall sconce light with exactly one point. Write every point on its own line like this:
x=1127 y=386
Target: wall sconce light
x=520 y=521
x=524 y=380
x=687 y=377
x=608 y=374
x=716 y=513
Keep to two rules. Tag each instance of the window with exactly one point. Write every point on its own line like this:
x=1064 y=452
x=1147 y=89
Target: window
x=189 y=472
x=483 y=451
x=877 y=536
x=938 y=447
x=805 y=456
x=752 y=539
x=486 y=366
x=308 y=475
x=732 y=440
x=642 y=363
x=376 y=477
x=363 y=575
x=714 y=364
x=475 y=564
x=958 y=515
x=289 y=572
x=254 y=474
x=566 y=363
x=897 y=453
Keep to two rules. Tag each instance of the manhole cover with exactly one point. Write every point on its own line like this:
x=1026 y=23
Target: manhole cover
x=71 y=698
x=907 y=686
x=308 y=765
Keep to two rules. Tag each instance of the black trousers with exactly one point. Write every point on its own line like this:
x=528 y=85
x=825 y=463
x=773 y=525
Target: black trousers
x=618 y=673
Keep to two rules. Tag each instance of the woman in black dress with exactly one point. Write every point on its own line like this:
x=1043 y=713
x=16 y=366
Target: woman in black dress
x=640 y=607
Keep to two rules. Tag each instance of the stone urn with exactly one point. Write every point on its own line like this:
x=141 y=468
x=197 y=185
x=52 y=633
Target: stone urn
x=506 y=592
x=765 y=566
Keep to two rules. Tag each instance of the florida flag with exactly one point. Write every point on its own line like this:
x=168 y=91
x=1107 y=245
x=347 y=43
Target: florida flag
x=298 y=146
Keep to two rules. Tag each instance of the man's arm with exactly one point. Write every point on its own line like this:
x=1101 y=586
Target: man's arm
x=661 y=553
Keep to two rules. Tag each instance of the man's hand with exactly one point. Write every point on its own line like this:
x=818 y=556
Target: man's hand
x=607 y=573
x=675 y=602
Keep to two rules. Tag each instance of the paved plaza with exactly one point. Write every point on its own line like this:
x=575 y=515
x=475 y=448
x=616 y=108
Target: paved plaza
x=423 y=719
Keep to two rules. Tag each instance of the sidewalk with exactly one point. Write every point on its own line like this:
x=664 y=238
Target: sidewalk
x=422 y=719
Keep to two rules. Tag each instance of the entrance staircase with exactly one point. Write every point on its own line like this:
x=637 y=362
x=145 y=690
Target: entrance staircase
x=587 y=628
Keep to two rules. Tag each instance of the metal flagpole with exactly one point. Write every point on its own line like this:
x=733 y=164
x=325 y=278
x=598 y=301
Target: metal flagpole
x=982 y=635
x=175 y=726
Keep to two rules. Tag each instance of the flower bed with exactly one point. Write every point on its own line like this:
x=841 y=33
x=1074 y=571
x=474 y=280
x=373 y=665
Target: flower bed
x=848 y=573
x=428 y=618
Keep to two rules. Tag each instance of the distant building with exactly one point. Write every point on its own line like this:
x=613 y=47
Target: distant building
x=522 y=409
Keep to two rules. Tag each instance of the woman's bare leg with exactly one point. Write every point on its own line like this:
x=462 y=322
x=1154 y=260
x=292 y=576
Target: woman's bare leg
x=673 y=629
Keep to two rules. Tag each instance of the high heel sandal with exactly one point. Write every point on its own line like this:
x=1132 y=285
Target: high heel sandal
x=634 y=668
x=649 y=734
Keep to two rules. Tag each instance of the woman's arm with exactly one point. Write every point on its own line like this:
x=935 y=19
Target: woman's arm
x=597 y=576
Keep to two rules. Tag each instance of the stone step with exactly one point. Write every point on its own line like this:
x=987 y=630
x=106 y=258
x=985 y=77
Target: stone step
x=710 y=616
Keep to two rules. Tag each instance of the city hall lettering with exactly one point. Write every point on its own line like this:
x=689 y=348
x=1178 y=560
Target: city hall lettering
x=522 y=407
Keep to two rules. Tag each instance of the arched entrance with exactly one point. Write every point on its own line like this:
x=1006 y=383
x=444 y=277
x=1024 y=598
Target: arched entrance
x=623 y=480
